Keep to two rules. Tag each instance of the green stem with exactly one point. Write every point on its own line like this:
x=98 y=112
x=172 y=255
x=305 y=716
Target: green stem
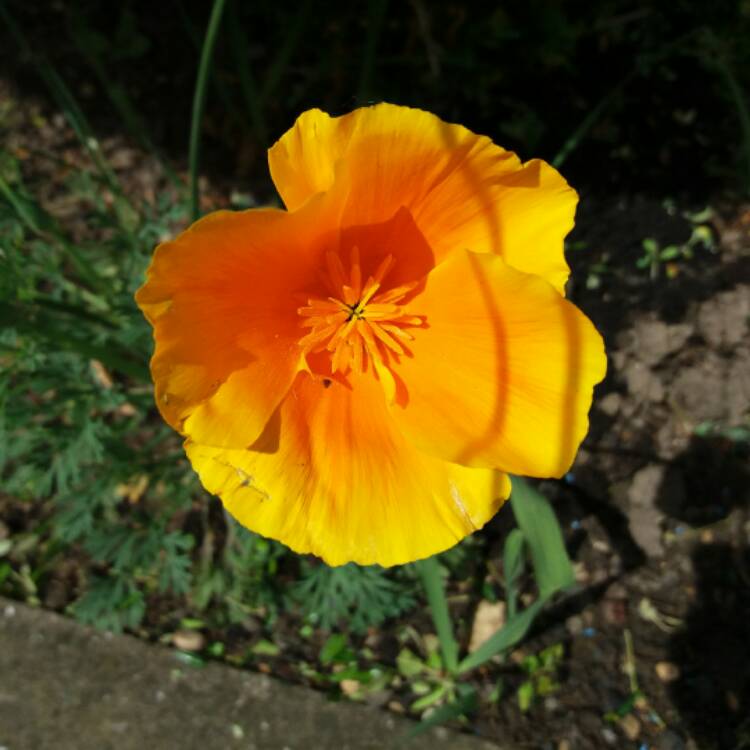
x=199 y=100
x=593 y=116
x=429 y=572
x=590 y=120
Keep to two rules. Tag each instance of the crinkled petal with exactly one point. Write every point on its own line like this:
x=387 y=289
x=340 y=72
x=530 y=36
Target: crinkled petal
x=333 y=475
x=502 y=376
x=463 y=191
x=220 y=298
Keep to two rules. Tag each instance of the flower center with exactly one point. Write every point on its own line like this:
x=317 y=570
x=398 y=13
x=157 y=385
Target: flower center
x=358 y=323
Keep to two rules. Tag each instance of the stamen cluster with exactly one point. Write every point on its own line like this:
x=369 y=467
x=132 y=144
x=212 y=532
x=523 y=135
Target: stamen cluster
x=358 y=323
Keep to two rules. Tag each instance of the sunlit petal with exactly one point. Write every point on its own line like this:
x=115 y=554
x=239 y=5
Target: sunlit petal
x=334 y=476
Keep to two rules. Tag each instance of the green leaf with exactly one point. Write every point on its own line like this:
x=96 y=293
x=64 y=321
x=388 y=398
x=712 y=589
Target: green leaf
x=191 y=660
x=538 y=523
x=216 y=649
x=464 y=704
x=430 y=699
x=526 y=695
x=651 y=246
x=192 y=623
x=670 y=253
x=429 y=571
x=409 y=664
x=265 y=648
x=513 y=562
x=362 y=595
x=332 y=648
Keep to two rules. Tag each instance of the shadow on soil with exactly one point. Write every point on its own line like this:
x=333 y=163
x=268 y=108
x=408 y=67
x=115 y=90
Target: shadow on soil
x=712 y=649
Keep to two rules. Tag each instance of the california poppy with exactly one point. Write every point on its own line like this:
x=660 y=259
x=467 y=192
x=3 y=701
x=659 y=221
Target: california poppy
x=358 y=374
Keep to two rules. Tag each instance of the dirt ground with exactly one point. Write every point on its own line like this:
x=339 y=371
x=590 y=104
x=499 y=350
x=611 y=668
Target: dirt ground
x=656 y=506
x=657 y=501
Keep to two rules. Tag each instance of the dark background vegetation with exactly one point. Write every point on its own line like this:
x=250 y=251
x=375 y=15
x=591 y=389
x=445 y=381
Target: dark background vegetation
x=642 y=105
x=655 y=89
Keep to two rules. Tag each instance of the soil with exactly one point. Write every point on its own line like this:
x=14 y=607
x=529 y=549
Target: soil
x=655 y=508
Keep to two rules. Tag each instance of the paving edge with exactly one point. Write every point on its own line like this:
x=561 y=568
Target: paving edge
x=70 y=687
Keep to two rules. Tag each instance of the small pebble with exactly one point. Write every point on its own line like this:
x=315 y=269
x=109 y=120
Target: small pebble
x=188 y=640
x=667 y=671
x=630 y=726
x=581 y=573
x=349 y=687
x=609 y=736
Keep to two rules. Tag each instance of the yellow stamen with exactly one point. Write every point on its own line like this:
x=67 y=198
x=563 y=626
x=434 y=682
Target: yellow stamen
x=358 y=323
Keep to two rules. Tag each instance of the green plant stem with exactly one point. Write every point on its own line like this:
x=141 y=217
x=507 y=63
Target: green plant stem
x=590 y=120
x=199 y=100
x=536 y=519
x=593 y=116
x=429 y=572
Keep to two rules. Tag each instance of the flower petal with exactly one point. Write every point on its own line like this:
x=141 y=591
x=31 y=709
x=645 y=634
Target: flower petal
x=502 y=376
x=522 y=216
x=463 y=191
x=332 y=475
x=225 y=324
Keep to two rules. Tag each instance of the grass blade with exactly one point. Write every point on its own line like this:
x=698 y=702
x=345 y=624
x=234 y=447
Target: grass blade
x=465 y=703
x=429 y=572
x=538 y=523
x=199 y=100
x=513 y=559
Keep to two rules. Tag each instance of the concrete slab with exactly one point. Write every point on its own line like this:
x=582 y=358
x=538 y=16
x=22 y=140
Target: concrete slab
x=67 y=687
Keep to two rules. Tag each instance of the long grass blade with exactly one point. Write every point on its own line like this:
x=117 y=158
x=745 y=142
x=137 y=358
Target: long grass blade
x=429 y=572
x=541 y=531
x=513 y=558
x=199 y=100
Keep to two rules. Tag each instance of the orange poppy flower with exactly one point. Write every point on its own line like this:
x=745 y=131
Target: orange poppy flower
x=356 y=375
